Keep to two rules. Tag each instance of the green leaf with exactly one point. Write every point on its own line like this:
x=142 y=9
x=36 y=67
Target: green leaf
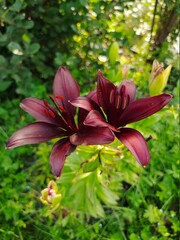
x=26 y=38
x=34 y=48
x=4 y=85
x=2 y=111
x=3 y=61
x=16 y=7
x=107 y=196
x=153 y=214
x=118 y=76
x=113 y=53
x=28 y=24
x=91 y=166
x=15 y=48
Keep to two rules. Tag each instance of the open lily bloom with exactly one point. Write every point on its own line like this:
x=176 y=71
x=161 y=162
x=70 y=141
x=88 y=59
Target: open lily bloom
x=119 y=107
x=58 y=121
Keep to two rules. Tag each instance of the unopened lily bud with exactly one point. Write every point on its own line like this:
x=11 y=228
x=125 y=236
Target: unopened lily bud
x=114 y=52
x=49 y=195
x=53 y=185
x=44 y=195
x=158 y=78
x=56 y=200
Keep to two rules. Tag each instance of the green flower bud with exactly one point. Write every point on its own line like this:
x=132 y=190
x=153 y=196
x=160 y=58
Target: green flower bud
x=114 y=52
x=158 y=78
x=49 y=195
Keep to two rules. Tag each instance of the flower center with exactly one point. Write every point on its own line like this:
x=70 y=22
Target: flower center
x=119 y=99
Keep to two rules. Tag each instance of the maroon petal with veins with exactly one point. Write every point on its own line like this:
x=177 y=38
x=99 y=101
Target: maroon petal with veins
x=130 y=89
x=143 y=108
x=60 y=151
x=136 y=144
x=65 y=88
x=34 y=133
x=104 y=90
x=92 y=136
x=93 y=95
x=37 y=108
x=95 y=119
x=85 y=103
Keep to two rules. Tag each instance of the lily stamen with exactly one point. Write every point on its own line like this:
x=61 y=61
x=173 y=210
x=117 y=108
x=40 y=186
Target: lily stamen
x=59 y=97
x=118 y=101
x=51 y=113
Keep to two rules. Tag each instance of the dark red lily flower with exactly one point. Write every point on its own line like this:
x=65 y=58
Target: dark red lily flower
x=119 y=108
x=58 y=121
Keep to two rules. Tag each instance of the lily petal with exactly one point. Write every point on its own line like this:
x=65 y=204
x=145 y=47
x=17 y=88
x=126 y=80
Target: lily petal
x=33 y=133
x=95 y=119
x=36 y=108
x=136 y=144
x=130 y=89
x=65 y=88
x=104 y=90
x=60 y=151
x=92 y=136
x=93 y=95
x=143 y=108
x=85 y=103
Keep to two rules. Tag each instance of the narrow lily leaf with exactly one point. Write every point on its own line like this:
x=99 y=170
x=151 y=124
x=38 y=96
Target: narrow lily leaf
x=60 y=151
x=36 y=108
x=92 y=136
x=65 y=88
x=143 y=108
x=136 y=144
x=130 y=89
x=33 y=133
x=95 y=119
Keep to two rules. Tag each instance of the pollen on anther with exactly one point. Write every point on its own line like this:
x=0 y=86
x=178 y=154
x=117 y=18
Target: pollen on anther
x=111 y=96
x=61 y=109
x=46 y=113
x=51 y=113
x=124 y=102
x=45 y=103
x=60 y=97
x=118 y=101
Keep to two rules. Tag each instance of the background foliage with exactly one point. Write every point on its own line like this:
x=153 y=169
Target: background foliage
x=110 y=197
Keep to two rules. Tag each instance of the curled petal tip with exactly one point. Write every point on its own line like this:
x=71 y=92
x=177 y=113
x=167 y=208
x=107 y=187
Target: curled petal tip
x=60 y=151
x=136 y=144
x=33 y=133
